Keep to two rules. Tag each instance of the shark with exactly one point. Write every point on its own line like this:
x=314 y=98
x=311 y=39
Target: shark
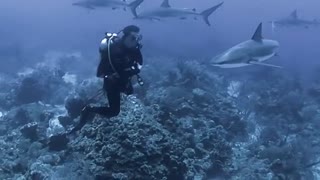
x=294 y=20
x=251 y=52
x=166 y=11
x=113 y=4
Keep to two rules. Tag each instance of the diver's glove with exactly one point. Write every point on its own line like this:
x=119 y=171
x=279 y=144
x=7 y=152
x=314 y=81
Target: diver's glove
x=112 y=78
x=135 y=71
x=129 y=72
x=140 y=81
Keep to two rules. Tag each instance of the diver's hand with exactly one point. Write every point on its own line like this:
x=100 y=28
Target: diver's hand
x=102 y=76
x=135 y=71
x=113 y=77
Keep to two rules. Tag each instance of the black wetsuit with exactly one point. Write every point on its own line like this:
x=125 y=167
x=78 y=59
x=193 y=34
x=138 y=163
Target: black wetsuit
x=122 y=59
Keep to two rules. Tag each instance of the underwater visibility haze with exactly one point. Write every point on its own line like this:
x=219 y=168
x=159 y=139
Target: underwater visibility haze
x=159 y=90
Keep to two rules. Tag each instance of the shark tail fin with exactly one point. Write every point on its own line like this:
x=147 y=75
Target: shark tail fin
x=206 y=13
x=133 y=6
x=258 y=33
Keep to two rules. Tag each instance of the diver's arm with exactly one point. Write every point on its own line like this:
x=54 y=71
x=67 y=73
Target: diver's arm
x=137 y=61
x=103 y=51
x=138 y=57
x=101 y=71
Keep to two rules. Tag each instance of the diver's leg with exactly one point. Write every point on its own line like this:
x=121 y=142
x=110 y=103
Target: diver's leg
x=113 y=94
x=113 y=109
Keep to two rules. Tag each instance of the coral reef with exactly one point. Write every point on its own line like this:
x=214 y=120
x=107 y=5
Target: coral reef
x=185 y=123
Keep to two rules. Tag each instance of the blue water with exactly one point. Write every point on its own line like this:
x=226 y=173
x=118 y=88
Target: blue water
x=280 y=100
x=45 y=25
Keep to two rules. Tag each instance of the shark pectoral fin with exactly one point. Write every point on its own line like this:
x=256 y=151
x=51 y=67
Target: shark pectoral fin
x=254 y=62
x=90 y=7
x=155 y=19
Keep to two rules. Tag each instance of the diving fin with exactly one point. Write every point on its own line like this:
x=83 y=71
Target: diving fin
x=84 y=117
x=55 y=142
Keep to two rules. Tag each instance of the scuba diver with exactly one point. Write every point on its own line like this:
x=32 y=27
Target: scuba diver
x=120 y=60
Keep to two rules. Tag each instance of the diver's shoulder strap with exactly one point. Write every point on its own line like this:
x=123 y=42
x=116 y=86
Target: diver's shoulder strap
x=109 y=37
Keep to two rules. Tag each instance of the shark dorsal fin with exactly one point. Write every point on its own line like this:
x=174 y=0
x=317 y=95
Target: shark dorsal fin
x=165 y=4
x=294 y=14
x=258 y=33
